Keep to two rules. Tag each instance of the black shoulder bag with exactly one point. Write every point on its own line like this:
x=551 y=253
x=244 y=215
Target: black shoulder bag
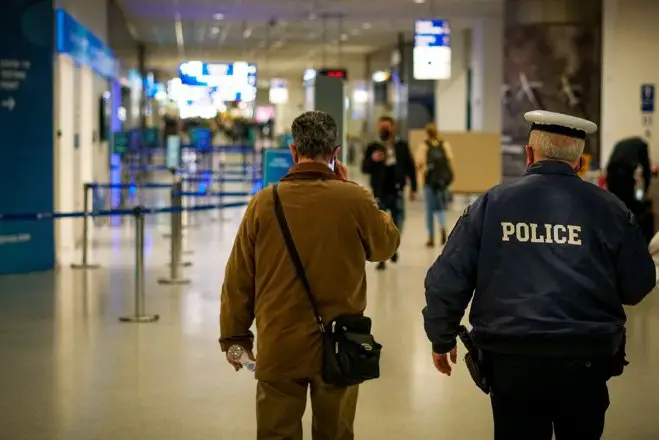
x=350 y=353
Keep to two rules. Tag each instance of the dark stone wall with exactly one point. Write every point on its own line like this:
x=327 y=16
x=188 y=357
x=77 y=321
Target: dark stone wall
x=552 y=61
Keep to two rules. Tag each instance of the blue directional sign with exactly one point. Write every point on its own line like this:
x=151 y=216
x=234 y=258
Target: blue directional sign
x=276 y=163
x=647 y=98
x=432 y=49
x=26 y=124
x=84 y=47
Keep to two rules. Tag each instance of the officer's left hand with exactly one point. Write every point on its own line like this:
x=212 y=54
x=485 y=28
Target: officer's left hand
x=441 y=361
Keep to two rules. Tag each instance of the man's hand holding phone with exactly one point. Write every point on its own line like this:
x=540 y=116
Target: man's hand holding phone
x=341 y=170
x=377 y=156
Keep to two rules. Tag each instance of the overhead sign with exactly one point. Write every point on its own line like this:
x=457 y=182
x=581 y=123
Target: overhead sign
x=26 y=100
x=647 y=98
x=278 y=93
x=76 y=41
x=432 y=49
x=233 y=81
x=276 y=163
x=334 y=73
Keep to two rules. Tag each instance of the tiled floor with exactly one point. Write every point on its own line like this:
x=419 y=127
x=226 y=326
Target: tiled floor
x=69 y=370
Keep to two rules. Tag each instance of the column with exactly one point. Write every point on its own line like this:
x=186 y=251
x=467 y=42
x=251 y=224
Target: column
x=26 y=124
x=486 y=74
x=451 y=94
x=552 y=61
x=630 y=35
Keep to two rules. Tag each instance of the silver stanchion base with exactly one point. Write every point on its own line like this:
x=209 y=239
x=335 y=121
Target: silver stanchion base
x=140 y=319
x=171 y=282
x=85 y=266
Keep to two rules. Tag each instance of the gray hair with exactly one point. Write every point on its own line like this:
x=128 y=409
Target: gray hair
x=314 y=134
x=557 y=146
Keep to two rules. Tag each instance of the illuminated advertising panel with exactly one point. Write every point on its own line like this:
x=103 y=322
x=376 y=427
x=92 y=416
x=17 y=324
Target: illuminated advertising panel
x=231 y=81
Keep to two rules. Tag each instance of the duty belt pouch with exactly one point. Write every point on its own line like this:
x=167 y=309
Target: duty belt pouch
x=473 y=360
x=620 y=358
x=350 y=353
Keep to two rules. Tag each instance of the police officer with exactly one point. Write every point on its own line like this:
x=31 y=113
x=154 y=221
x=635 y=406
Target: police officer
x=550 y=261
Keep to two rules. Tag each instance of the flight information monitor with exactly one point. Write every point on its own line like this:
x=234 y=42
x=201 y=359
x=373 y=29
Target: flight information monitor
x=432 y=49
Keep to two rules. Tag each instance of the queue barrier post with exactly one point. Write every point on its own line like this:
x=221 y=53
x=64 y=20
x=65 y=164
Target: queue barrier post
x=176 y=244
x=84 y=264
x=139 y=316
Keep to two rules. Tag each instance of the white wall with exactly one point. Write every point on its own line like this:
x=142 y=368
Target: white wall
x=630 y=37
x=64 y=157
x=451 y=94
x=286 y=113
x=487 y=74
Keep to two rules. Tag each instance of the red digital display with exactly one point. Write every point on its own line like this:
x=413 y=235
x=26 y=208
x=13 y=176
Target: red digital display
x=334 y=73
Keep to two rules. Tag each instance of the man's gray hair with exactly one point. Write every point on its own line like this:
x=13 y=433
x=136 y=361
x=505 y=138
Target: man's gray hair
x=557 y=146
x=314 y=134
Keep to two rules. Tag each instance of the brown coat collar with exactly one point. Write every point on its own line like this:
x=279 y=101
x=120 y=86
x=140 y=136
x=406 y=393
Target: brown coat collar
x=310 y=171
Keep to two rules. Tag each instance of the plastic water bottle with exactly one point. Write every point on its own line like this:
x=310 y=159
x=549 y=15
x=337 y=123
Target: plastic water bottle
x=238 y=354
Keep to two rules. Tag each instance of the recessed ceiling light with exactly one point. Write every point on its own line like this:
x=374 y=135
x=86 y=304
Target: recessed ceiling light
x=344 y=37
x=218 y=16
x=419 y=1
x=215 y=30
x=247 y=33
x=367 y=25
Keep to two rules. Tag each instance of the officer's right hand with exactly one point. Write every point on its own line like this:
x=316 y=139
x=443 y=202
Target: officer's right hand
x=441 y=361
x=377 y=156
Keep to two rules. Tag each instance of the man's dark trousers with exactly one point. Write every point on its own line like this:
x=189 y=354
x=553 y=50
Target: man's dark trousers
x=393 y=203
x=533 y=397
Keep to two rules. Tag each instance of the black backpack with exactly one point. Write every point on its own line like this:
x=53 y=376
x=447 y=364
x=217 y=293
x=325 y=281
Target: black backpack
x=439 y=174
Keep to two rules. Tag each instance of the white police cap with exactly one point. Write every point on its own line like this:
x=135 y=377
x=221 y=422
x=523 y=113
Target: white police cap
x=560 y=124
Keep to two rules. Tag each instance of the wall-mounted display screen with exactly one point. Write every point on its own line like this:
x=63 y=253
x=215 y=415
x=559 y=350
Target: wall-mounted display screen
x=231 y=81
x=432 y=49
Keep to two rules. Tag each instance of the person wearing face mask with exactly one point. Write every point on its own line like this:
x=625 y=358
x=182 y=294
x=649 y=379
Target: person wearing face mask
x=390 y=165
x=548 y=263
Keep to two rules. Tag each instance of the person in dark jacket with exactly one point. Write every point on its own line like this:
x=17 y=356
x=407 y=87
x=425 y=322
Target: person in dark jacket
x=390 y=164
x=549 y=261
x=627 y=156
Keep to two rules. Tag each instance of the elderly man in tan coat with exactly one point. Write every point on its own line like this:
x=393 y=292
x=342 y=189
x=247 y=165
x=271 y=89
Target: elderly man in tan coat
x=337 y=227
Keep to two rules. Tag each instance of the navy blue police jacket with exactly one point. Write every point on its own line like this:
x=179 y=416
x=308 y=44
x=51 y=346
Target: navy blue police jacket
x=549 y=261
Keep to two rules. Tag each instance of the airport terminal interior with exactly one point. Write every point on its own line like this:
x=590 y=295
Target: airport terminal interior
x=135 y=132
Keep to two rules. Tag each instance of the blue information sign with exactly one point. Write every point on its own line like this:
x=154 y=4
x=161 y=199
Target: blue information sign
x=276 y=163
x=432 y=33
x=26 y=153
x=201 y=138
x=647 y=98
x=83 y=46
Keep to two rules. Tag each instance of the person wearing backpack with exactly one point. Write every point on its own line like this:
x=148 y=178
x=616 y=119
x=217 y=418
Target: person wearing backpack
x=433 y=160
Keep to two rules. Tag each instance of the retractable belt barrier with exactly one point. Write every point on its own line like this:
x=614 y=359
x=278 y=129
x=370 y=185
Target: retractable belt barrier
x=139 y=213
